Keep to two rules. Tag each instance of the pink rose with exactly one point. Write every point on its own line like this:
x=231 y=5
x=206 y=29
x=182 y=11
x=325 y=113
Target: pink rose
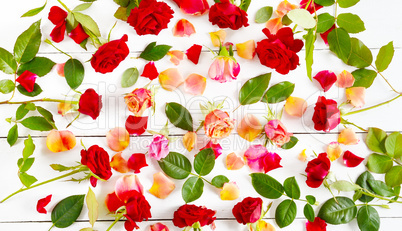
x=218 y=124
x=260 y=160
x=159 y=148
x=277 y=132
x=224 y=69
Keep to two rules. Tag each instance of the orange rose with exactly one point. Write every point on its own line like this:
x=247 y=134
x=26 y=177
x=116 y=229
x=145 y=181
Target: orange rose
x=218 y=124
x=138 y=101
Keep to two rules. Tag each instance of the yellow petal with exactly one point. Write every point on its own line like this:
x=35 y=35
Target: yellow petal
x=249 y=127
x=264 y=226
x=274 y=25
x=234 y=162
x=246 y=50
x=64 y=108
x=356 y=96
x=170 y=79
x=348 y=137
x=162 y=186
x=176 y=56
x=303 y=156
x=218 y=37
x=189 y=139
x=295 y=106
x=345 y=79
x=230 y=191
x=195 y=84
x=60 y=141
x=334 y=151
x=119 y=164
x=118 y=139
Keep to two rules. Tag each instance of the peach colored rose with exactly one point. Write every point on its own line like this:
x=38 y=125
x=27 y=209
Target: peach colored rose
x=138 y=101
x=218 y=124
x=277 y=132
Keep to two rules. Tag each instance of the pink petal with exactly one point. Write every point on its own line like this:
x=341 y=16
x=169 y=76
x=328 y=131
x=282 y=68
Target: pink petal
x=195 y=84
x=60 y=69
x=348 y=137
x=170 y=79
x=234 y=162
x=158 y=227
x=334 y=151
x=345 y=80
x=176 y=56
x=183 y=28
x=246 y=50
x=125 y=184
x=193 y=7
x=218 y=37
x=162 y=186
x=356 y=96
x=253 y=157
x=193 y=53
x=40 y=206
x=118 y=139
x=351 y=160
x=271 y=161
x=326 y=79
x=217 y=148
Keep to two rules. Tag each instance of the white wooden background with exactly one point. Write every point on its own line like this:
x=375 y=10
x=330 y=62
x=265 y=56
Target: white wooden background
x=383 y=24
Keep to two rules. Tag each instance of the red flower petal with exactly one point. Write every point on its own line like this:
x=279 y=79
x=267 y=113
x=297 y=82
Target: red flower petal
x=193 y=53
x=136 y=125
x=90 y=103
x=326 y=79
x=78 y=34
x=310 y=8
x=351 y=160
x=193 y=7
x=57 y=15
x=150 y=71
x=112 y=202
x=40 y=206
x=217 y=148
x=324 y=35
x=136 y=162
x=317 y=225
x=27 y=80
x=57 y=33
x=271 y=161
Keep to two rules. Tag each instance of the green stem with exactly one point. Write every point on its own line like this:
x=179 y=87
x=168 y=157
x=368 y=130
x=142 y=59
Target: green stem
x=15 y=86
x=51 y=44
x=343 y=121
x=40 y=100
x=389 y=84
x=115 y=221
x=202 y=178
x=367 y=193
x=64 y=5
x=372 y=107
x=51 y=227
x=336 y=9
x=397 y=162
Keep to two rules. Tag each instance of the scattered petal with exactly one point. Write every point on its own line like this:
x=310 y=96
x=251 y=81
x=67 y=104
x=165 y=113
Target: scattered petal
x=27 y=80
x=183 y=28
x=218 y=37
x=263 y=226
x=64 y=108
x=217 y=148
x=356 y=96
x=334 y=151
x=40 y=206
x=195 y=84
x=136 y=162
x=326 y=79
x=274 y=25
x=150 y=71
x=170 y=79
x=249 y=127
x=60 y=69
x=295 y=106
x=317 y=225
x=119 y=164
x=193 y=53
x=78 y=34
x=230 y=191
x=193 y=7
x=253 y=157
x=324 y=35
x=60 y=141
x=158 y=227
x=125 y=184
x=234 y=162
x=189 y=139
x=303 y=156
x=118 y=139
x=345 y=79
x=176 y=56
x=284 y=7
x=351 y=160
x=271 y=161
x=162 y=186
x=246 y=50
x=136 y=125
x=348 y=137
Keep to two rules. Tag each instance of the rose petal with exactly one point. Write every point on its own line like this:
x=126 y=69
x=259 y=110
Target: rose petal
x=317 y=225
x=27 y=80
x=162 y=186
x=176 y=56
x=218 y=37
x=230 y=191
x=246 y=50
x=334 y=151
x=170 y=79
x=234 y=162
x=40 y=206
x=60 y=141
x=326 y=79
x=193 y=53
x=249 y=127
x=57 y=15
x=136 y=125
x=263 y=226
x=253 y=157
x=64 y=108
x=193 y=7
x=78 y=34
x=271 y=161
x=216 y=147
x=118 y=139
x=274 y=25
x=112 y=202
x=195 y=84
x=345 y=79
x=356 y=96
x=295 y=106
x=125 y=184
x=348 y=137
x=351 y=160
x=303 y=156
x=284 y=8
x=189 y=139
x=183 y=28
x=136 y=162
x=60 y=69
x=158 y=227
x=119 y=164
x=324 y=35
x=150 y=71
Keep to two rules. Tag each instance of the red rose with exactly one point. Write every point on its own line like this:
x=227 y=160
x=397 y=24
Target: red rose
x=279 y=50
x=90 y=103
x=136 y=125
x=150 y=17
x=248 y=210
x=227 y=15
x=326 y=114
x=110 y=55
x=97 y=160
x=187 y=215
x=317 y=225
x=136 y=162
x=317 y=169
x=138 y=209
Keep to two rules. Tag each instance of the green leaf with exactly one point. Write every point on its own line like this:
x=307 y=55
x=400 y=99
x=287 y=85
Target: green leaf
x=121 y=13
x=47 y=115
x=347 y=3
x=37 y=123
x=40 y=66
x=292 y=188
x=12 y=136
x=26 y=164
x=219 y=181
x=29 y=148
x=368 y=219
x=302 y=18
x=375 y=140
x=266 y=186
x=123 y=3
x=67 y=211
x=310 y=38
x=361 y=56
x=179 y=116
x=339 y=43
x=34 y=11
x=82 y=7
x=358 y=194
x=204 y=162
x=292 y=142
x=6 y=86
x=92 y=205
x=21 y=112
x=364 y=77
x=384 y=57
x=130 y=77
x=192 y=189
x=36 y=91
x=325 y=2
x=309 y=212
x=155 y=53
x=8 y=64
x=175 y=165
x=339 y=211
x=27 y=45
x=311 y=199
x=350 y=22
x=393 y=145
x=285 y=213
x=60 y=168
x=263 y=14
x=279 y=92
x=253 y=90
x=245 y=4
x=382 y=189
x=30 y=106
x=393 y=177
x=344 y=186
x=87 y=22
x=379 y=163
x=363 y=181
x=325 y=22
x=74 y=73
x=27 y=179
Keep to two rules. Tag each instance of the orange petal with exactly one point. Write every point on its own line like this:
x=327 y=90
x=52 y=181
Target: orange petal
x=263 y=226
x=119 y=164
x=176 y=56
x=60 y=69
x=170 y=79
x=162 y=186
x=274 y=25
x=284 y=8
x=303 y=156
x=348 y=137
x=356 y=96
x=64 y=108
x=126 y=184
x=295 y=106
x=60 y=141
x=345 y=79
x=183 y=28
x=334 y=151
x=118 y=139
x=218 y=37
x=230 y=191
x=189 y=139
x=246 y=50
x=249 y=128
x=158 y=227
x=234 y=162
x=195 y=84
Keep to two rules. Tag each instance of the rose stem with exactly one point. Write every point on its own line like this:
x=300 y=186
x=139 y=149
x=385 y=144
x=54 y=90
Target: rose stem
x=366 y=109
x=389 y=84
x=40 y=100
x=115 y=221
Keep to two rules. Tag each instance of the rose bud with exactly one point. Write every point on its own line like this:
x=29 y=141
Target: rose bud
x=227 y=15
x=277 y=132
x=110 y=55
x=159 y=147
